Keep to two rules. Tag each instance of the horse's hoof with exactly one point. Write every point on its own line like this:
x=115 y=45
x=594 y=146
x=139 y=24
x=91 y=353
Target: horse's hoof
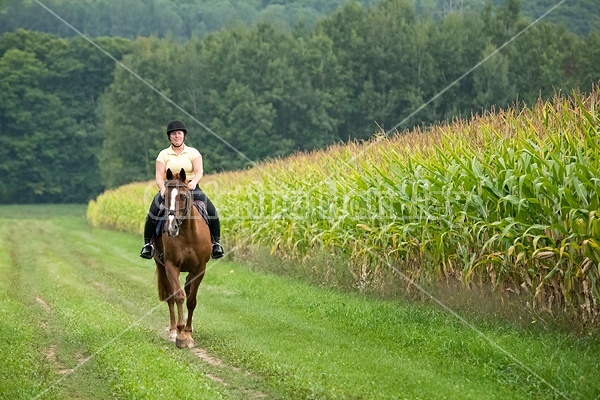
x=172 y=335
x=184 y=343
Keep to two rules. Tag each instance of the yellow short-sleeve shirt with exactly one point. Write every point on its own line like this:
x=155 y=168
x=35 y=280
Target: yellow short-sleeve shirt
x=177 y=161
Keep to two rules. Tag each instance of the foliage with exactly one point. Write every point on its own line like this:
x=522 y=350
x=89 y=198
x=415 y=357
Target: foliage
x=511 y=198
x=254 y=93
x=130 y=113
x=48 y=130
x=180 y=19
x=184 y=19
x=78 y=124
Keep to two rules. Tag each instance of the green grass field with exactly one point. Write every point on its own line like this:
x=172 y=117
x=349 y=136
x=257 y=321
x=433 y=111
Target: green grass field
x=80 y=319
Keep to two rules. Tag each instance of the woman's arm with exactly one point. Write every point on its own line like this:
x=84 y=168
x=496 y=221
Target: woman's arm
x=198 y=172
x=160 y=177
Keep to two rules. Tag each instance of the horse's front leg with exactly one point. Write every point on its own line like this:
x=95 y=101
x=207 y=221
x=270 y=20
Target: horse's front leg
x=191 y=300
x=192 y=283
x=172 y=322
x=181 y=339
x=176 y=297
x=165 y=293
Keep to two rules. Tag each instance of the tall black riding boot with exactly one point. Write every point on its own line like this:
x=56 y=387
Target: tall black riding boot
x=217 y=249
x=149 y=231
x=215 y=232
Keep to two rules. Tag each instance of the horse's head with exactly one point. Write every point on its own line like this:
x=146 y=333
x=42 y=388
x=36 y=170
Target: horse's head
x=178 y=200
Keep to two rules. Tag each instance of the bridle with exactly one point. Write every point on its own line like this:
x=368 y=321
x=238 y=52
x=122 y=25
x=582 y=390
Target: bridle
x=172 y=191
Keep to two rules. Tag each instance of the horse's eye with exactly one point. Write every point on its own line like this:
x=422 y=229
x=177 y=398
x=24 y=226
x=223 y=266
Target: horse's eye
x=182 y=197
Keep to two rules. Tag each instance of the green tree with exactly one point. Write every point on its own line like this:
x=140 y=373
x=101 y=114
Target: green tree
x=492 y=85
x=57 y=94
x=38 y=142
x=134 y=112
x=398 y=68
x=587 y=70
x=538 y=61
x=347 y=29
x=386 y=69
x=245 y=123
x=457 y=46
x=269 y=69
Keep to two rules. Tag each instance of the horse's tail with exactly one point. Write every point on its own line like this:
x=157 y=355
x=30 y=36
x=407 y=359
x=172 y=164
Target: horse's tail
x=162 y=284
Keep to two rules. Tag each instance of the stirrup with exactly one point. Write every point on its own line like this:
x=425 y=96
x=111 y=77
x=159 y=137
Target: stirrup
x=217 y=250
x=147 y=251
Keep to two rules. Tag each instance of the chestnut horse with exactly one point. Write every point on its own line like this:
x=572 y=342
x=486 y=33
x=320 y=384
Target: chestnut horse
x=184 y=246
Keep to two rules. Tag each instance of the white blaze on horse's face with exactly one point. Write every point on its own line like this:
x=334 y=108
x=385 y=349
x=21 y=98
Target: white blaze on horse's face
x=172 y=229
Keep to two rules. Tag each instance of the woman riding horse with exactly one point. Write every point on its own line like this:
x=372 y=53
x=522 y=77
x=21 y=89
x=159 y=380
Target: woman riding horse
x=185 y=246
x=176 y=157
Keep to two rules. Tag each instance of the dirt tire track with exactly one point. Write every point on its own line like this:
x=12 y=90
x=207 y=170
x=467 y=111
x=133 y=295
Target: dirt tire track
x=205 y=356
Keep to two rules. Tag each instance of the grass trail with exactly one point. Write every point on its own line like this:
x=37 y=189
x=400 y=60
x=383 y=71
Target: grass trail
x=79 y=318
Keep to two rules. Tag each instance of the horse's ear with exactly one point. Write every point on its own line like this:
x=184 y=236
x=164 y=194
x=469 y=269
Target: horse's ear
x=182 y=175
x=169 y=174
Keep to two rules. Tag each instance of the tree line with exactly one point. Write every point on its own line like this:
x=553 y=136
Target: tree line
x=180 y=19
x=74 y=123
x=184 y=19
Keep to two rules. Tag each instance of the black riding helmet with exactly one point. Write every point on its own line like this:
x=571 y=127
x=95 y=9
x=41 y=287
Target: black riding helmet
x=176 y=125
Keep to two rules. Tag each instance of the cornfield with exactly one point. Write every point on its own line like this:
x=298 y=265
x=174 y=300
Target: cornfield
x=511 y=198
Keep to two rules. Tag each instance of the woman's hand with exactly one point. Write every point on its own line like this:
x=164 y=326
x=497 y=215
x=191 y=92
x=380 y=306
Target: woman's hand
x=192 y=185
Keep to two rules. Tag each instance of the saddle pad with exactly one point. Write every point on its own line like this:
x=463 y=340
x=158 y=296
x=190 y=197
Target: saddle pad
x=200 y=206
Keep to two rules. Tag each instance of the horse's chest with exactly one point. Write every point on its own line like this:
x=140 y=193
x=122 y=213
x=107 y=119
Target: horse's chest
x=186 y=259
x=181 y=257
